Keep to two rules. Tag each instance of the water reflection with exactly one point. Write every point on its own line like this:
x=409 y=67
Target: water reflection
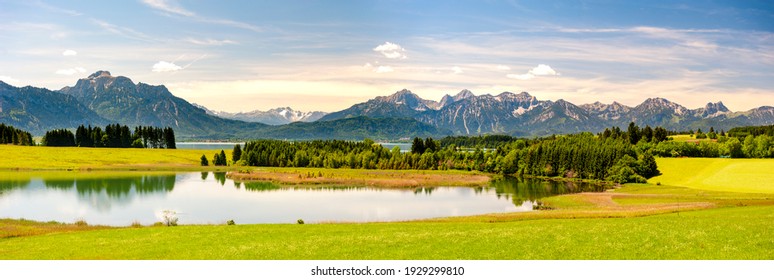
x=8 y=185
x=520 y=190
x=105 y=193
x=119 y=198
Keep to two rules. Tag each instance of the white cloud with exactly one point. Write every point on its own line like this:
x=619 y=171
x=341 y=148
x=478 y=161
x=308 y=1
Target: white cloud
x=384 y=69
x=9 y=80
x=210 y=42
x=168 y=6
x=522 y=77
x=391 y=50
x=456 y=70
x=540 y=70
x=69 y=53
x=503 y=67
x=70 y=71
x=163 y=66
x=543 y=70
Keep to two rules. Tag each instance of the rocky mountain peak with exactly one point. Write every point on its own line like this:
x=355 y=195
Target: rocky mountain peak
x=712 y=110
x=658 y=103
x=464 y=94
x=719 y=107
x=100 y=73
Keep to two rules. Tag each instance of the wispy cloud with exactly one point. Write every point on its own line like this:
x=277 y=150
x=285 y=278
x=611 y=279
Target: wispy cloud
x=391 y=50
x=69 y=53
x=70 y=71
x=210 y=42
x=123 y=31
x=163 y=66
x=456 y=70
x=55 y=9
x=384 y=69
x=170 y=7
x=502 y=67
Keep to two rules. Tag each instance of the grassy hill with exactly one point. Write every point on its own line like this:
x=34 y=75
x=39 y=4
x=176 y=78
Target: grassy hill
x=717 y=174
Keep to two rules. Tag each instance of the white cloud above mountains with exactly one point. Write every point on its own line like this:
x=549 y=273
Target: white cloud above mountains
x=391 y=50
x=540 y=70
x=163 y=66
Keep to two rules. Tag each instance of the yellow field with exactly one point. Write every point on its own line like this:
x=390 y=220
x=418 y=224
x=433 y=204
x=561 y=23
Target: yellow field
x=63 y=158
x=717 y=174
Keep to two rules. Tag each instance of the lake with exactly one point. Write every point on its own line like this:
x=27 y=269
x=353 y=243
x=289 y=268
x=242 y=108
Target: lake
x=121 y=198
x=227 y=146
x=404 y=147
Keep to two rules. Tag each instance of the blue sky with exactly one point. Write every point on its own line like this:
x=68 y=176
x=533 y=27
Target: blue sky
x=327 y=55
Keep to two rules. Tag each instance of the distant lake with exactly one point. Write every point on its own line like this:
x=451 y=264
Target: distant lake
x=207 y=145
x=120 y=198
x=404 y=147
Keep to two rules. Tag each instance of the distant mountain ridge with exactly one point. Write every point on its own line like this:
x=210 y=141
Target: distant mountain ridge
x=276 y=116
x=523 y=114
x=102 y=98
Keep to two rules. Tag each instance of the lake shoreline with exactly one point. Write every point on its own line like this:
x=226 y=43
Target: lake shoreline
x=362 y=177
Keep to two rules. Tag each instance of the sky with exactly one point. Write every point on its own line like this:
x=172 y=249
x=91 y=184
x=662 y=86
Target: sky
x=328 y=55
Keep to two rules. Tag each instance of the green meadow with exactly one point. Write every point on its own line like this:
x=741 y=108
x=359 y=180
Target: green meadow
x=697 y=209
x=717 y=174
x=75 y=158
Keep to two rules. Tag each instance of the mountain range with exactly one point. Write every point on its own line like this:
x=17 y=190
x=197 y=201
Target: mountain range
x=523 y=114
x=102 y=98
x=276 y=116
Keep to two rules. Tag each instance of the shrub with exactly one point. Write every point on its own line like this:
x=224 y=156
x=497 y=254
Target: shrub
x=169 y=218
x=230 y=222
x=81 y=222
x=300 y=221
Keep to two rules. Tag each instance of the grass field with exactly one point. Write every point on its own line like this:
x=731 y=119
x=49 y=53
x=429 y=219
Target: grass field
x=702 y=209
x=727 y=233
x=72 y=158
x=717 y=174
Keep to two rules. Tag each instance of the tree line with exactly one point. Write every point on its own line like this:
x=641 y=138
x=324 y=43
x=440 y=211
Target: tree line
x=743 y=131
x=112 y=136
x=15 y=136
x=761 y=146
x=573 y=156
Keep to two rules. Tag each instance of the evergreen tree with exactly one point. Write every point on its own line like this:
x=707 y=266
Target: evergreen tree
x=236 y=155
x=430 y=145
x=634 y=133
x=169 y=138
x=647 y=134
x=204 y=161
x=418 y=146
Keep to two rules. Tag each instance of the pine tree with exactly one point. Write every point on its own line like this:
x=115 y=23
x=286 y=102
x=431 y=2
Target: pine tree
x=236 y=155
x=204 y=161
x=634 y=133
x=223 y=160
x=418 y=147
x=169 y=138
